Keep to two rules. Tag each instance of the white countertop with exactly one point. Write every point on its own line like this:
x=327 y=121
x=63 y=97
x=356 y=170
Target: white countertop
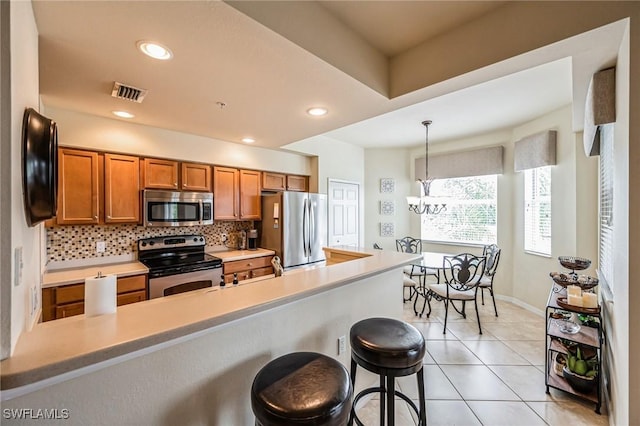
x=231 y=255
x=56 y=347
x=66 y=276
x=60 y=277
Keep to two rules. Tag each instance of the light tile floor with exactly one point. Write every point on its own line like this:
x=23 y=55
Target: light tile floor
x=491 y=379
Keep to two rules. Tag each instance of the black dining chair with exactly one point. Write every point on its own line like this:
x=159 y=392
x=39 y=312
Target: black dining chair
x=492 y=253
x=414 y=245
x=462 y=274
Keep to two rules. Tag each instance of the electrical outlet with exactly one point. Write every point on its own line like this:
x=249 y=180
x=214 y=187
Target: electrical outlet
x=34 y=300
x=224 y=237
x=18 y=266
x=342 y=344
x=101 y=246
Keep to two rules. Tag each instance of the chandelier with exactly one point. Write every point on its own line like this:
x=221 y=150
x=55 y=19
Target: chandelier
x=426 y=204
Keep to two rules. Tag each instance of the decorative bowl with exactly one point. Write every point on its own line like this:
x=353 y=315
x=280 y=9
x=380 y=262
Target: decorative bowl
x=574 y=263
x=568 y=327
x=585 y=282
x=580 y=383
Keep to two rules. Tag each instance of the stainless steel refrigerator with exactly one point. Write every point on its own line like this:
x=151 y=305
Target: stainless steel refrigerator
x=294 y=225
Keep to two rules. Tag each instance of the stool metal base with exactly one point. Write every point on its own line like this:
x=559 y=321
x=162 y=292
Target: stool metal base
x=388 y=392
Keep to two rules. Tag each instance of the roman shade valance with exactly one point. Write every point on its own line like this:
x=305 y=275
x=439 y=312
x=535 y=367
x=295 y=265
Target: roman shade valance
x=533 y=151
x=600 y=108
x=478 y=162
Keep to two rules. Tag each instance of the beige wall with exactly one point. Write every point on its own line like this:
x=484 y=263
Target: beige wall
x=393 y=164
x=531 y=272
x=24 y=94
x=207 y=380
x=334 y=159
x=92 y=132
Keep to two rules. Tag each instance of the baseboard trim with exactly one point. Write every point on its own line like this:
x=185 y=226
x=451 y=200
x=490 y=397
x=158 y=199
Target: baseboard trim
x=520 y=303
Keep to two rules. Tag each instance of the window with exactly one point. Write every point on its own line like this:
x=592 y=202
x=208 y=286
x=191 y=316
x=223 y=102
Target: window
x=606 y=251
x=537 y=210
x=471 y=215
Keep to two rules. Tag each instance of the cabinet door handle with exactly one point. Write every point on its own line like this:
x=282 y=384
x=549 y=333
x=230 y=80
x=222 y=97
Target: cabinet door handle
x=175 y=183
x=108 y=217
x=95 y=217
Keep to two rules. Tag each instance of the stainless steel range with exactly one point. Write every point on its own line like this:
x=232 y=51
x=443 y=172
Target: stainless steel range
x=178 y=264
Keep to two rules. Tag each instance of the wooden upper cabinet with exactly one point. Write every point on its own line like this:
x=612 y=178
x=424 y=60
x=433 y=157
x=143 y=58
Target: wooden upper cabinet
x=296 y=183
x=159 y=174
x=250 y=201
x=121 y=189
x=78 y=187
x=274 y=181
x=282 y=182
x=196 y=177
x=225 y=193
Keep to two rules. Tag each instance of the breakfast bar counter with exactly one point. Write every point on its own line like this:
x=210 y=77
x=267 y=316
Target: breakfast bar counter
x=55 y=352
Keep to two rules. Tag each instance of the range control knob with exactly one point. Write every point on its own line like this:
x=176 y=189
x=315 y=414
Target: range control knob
x=195 y=239
x=201 y=239
x=144 y=244
x=151 y=243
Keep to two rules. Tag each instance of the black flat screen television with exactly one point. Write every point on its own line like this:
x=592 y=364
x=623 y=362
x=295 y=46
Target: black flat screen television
x=39 y=166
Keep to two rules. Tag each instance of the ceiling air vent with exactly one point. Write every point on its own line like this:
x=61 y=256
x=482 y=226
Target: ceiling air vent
x=130 y=93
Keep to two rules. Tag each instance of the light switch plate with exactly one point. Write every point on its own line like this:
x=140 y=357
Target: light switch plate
x=101 y=246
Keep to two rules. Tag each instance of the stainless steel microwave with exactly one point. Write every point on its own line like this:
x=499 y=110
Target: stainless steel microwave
x=169 y=208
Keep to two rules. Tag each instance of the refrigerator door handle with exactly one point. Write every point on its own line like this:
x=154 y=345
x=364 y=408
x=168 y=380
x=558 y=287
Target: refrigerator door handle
x=305 y=228
x=312 y=226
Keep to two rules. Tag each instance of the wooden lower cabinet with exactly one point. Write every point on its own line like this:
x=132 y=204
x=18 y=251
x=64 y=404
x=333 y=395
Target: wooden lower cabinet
x=133 y=297
x=247 y=268
x=68 y=300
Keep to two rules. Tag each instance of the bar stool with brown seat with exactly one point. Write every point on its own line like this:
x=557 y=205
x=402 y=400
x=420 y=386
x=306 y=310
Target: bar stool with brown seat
x=302 y=388
x=389 y=348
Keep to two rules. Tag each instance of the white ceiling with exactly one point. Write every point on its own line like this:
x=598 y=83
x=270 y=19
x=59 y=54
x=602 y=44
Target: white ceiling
x=266 y=80
x=501 y=103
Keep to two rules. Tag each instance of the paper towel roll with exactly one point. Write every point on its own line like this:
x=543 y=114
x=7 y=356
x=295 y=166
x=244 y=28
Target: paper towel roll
x=100 y=294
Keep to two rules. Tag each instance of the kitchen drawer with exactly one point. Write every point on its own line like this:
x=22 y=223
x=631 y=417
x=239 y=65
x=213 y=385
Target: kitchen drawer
x=133 y=283
x=69 y=293
x=248 y=274
x=69 y=310
x=246 y=264
x=133 y=297
x=260 y=272
x=242 y=275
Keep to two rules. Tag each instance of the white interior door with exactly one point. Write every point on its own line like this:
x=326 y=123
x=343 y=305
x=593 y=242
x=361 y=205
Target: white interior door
x=344 y=213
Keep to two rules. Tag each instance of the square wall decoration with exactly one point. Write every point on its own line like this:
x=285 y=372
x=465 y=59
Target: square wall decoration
x=387 y=185
x=387 y=229
x=387 y=208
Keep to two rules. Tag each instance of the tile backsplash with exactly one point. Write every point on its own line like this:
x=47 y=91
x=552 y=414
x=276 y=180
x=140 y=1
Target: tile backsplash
x=79 y=241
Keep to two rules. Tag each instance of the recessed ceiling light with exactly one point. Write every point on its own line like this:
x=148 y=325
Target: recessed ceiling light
x=155 y=50
x=317 y=111
x=122 y=114
x=248 y=140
